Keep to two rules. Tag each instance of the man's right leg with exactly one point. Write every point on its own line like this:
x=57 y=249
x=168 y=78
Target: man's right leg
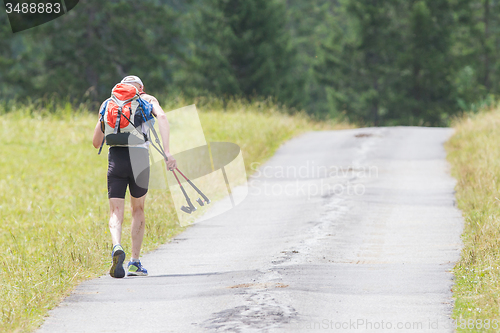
x=117 y=186
x=116 y=207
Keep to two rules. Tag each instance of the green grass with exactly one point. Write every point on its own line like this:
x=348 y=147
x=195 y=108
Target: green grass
x=53 y=197
x=474 y=153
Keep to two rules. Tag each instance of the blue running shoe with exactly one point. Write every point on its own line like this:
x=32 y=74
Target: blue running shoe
x=118 y=256
x=135 y=269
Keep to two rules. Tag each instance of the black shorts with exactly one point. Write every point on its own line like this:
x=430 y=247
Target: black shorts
x=128 y=166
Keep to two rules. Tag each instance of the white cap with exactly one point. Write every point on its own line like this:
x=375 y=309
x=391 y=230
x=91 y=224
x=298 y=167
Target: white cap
x=132 y=79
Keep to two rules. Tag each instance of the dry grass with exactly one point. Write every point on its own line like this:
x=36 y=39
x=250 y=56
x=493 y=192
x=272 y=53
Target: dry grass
x=475 y=157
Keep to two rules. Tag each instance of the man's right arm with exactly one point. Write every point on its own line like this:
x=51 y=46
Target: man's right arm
x=98 y=134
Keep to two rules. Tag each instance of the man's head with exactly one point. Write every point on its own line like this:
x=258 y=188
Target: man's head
x=135 y=81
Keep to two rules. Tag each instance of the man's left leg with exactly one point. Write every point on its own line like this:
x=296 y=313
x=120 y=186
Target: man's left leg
x=138 y=187
x=137 y=233
x=138 y=224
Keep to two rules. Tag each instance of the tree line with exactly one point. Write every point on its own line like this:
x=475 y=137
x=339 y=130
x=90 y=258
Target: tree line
x=376 y=62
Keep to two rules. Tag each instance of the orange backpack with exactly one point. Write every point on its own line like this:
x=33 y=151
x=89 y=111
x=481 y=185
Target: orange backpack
x=122 y=117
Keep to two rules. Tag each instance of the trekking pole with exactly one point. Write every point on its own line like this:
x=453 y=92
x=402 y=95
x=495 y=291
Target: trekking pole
x=191 y=208
x=196 y=189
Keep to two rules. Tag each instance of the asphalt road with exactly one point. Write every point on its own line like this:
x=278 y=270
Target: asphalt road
x=351 y=230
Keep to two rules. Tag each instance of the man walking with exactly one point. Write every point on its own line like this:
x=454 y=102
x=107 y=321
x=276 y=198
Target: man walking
x=128 y=165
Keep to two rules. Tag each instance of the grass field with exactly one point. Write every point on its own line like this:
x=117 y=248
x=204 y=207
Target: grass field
x=53 y=197
x=474 y=152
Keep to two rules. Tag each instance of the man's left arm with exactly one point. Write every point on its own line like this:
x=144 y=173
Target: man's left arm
x=164 y=127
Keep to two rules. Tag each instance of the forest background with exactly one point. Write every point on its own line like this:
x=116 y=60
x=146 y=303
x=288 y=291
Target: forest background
x=371 y=62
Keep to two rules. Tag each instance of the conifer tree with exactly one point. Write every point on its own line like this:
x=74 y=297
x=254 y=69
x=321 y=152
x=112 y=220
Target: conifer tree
x=243 y=48
x=392 y=62
x=425 y=63
x=92 y=48
x=358 y=67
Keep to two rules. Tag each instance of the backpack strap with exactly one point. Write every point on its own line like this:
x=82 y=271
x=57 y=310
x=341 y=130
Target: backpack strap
x=102 y=144
x=123 y=114
x=118 y=118
x=101 y=112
